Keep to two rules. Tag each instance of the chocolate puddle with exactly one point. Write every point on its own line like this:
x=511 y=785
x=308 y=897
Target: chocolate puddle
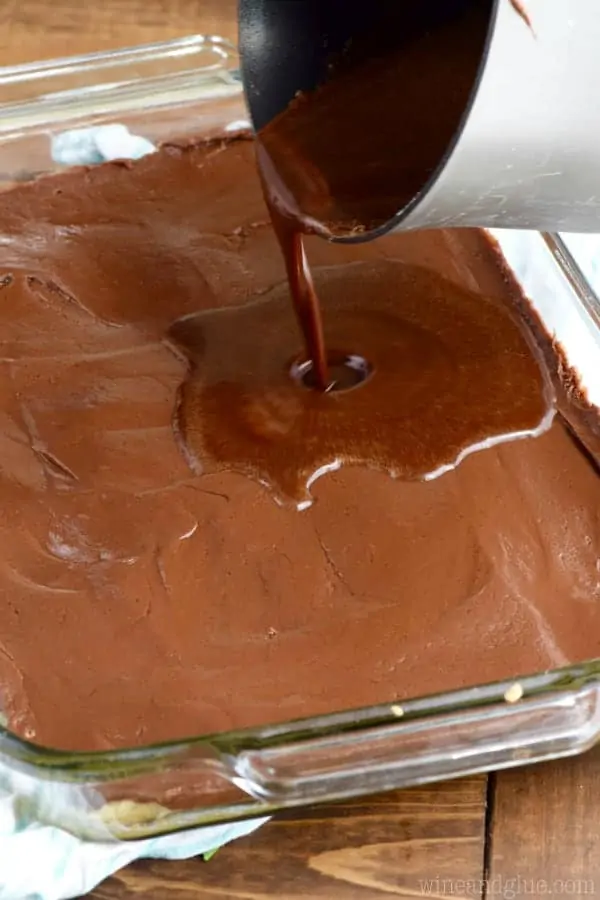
x=336 y=161
x=450 y=371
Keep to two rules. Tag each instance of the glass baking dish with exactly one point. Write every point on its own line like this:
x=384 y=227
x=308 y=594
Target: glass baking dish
x=187 y=87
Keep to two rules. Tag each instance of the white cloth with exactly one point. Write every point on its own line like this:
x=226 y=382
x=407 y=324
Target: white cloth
x=42 y=862
x=98 y=144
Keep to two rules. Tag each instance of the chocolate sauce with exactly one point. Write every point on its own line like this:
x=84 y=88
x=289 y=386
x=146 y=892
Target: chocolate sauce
x=356 y=151
x=306 y=303
x=242 y=411
x=350 y=155
x=424 y=371
x=443 y=366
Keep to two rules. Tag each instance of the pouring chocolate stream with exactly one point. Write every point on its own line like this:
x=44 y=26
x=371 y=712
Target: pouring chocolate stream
x=335 y=162
x=408 y=372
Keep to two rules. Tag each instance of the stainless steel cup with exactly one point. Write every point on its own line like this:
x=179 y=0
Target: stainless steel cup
x=527 y=154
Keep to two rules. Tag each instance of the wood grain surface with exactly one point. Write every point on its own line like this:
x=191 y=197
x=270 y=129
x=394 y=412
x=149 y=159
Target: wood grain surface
x=41 y=29
x=545 y=836
x=531 y=832
x=364 y=849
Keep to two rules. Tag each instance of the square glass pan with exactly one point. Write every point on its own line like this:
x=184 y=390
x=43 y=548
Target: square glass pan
x=191 y=87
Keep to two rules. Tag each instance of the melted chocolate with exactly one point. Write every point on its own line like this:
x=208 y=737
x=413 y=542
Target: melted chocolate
x=304 y=297
x=140 y=601
x=352 y=154
x=450 y=371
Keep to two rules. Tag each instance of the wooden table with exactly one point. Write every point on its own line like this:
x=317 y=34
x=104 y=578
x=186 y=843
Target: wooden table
x=533 y=832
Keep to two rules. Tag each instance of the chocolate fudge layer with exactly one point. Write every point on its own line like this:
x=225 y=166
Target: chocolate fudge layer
x=148 y=593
